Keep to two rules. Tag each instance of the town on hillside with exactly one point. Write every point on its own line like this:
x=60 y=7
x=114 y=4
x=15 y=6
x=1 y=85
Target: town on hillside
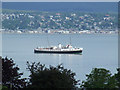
x=16 y=21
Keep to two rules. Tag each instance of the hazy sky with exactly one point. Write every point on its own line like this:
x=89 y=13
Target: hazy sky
x=59 y=0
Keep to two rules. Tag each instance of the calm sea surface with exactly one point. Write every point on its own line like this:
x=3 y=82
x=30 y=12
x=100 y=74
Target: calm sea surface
x=99 y=50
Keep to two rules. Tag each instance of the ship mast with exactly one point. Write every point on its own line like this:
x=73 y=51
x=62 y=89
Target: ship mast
x=70 y=40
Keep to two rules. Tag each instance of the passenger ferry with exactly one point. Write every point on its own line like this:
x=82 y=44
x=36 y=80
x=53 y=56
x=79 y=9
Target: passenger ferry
x=68 y=49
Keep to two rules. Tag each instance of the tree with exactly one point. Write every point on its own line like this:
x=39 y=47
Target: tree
x=99 y=78
x=117 y=76
x=52 y=77
x=11 y=78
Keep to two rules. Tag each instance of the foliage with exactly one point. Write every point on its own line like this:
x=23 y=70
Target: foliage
x=11 y=78
x=117 y=76
x=4 y=88
x=52 y=77
x=99 y=78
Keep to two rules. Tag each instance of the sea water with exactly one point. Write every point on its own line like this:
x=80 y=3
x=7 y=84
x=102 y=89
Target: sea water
x=99 y=51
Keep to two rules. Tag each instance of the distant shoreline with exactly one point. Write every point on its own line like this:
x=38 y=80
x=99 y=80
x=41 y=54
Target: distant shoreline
x=110 y=33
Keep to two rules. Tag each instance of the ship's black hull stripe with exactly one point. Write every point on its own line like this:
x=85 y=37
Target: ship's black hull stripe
x=61 y=52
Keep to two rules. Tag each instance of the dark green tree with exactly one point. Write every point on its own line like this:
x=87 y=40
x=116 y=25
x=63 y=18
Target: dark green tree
x=99 y=78
x=52 y=77
x=11 y=78
x=117 y=76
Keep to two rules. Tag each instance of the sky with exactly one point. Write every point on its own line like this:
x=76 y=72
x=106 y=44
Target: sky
x=59 y=0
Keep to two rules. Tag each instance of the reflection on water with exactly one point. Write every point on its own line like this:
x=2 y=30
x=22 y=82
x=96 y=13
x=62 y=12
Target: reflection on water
x=61 y=58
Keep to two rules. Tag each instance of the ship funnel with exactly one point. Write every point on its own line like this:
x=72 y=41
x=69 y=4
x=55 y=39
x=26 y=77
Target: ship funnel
x=59 y=45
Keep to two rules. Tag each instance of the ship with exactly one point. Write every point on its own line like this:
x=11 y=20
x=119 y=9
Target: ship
x=68 y=49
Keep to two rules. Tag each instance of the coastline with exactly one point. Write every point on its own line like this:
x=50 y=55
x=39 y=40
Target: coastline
x=60 y=32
